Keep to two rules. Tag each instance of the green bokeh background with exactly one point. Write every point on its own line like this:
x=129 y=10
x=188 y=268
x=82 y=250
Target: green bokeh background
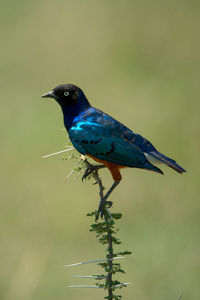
x=140 y=62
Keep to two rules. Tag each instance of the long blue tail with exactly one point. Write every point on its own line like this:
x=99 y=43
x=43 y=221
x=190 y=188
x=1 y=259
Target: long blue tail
x=168 y=161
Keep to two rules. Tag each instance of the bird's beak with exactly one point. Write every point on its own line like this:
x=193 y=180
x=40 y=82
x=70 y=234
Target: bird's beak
x=48 y=95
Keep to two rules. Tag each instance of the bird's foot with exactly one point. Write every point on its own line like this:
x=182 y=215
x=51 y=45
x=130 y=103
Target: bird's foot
x=102 y=205
x=103 y=210
x=91 y=170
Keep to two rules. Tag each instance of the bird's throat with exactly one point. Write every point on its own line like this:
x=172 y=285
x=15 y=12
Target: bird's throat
x=72 y=110
x=69 y=115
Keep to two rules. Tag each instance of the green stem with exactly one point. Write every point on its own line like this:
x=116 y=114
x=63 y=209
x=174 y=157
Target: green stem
x=110 y=260
x=105 y=232
x=109 y=237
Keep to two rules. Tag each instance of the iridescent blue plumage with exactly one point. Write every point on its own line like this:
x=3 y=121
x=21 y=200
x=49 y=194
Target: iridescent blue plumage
x=106 y=140
x=98 y=134
x=95 y=133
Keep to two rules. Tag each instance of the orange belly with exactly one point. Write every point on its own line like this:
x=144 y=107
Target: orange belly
x=113 y=168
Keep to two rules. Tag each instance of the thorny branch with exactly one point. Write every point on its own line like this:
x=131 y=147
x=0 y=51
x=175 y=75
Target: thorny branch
x=110 y=255
x=105 y=232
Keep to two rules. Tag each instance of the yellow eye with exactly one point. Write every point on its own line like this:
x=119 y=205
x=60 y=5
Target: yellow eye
x=66 y=94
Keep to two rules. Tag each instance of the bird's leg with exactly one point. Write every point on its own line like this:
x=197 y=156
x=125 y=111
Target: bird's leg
x=91 y=169
x=103 y=200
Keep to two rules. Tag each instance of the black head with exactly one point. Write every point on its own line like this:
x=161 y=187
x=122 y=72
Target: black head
x=65 y=94
x=71 y=99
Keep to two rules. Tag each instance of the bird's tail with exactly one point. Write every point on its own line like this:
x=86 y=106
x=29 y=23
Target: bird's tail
x=150 y=167
x=166 y=160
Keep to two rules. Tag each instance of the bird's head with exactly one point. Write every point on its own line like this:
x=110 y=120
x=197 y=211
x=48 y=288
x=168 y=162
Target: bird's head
x=67 y=95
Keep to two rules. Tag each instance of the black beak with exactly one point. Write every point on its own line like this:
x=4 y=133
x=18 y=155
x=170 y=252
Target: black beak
x=48 y=95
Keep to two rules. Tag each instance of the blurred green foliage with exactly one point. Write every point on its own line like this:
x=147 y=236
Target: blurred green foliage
x=140 y=62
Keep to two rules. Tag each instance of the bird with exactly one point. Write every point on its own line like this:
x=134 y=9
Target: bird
x=104 y=139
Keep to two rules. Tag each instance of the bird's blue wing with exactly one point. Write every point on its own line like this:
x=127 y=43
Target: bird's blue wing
x=98 y=134
x=106 y=139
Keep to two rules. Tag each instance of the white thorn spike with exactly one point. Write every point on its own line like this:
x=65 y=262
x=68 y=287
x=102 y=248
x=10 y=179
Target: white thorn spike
x=89 y=276
x=69 y=175
x=59 y=152
x=93 y=261
x=85 y=286
x=120 y=285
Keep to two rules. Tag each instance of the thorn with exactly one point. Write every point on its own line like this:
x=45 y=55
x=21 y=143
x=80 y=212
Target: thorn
x=92 y=276
x=93 y=261
x=85 y=286
x=69 y=175
x=52 y=154
x=120 y=285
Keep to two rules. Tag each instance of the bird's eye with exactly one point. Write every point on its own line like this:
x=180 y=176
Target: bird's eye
x=66 y=94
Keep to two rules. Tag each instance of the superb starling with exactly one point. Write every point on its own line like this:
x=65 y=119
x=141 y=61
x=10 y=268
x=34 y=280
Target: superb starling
x=104 y=139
